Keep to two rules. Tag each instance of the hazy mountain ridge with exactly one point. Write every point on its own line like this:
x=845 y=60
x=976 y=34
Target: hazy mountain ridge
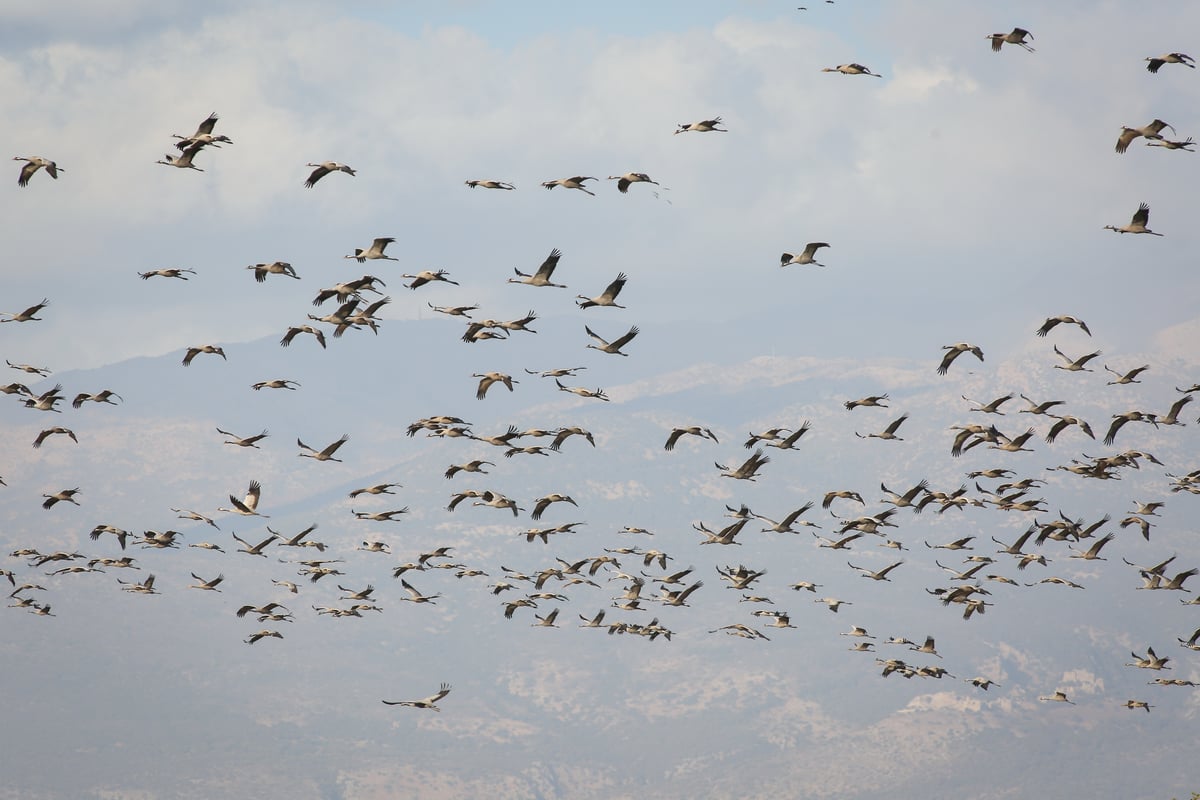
x=673 y=490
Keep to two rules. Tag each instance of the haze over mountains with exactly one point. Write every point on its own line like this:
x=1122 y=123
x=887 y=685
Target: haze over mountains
x=541 y=711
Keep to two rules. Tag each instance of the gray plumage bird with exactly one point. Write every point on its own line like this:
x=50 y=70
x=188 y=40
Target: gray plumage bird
x=323 y=169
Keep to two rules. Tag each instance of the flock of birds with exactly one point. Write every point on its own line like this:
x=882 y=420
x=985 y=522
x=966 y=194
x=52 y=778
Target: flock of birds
x=972 y=586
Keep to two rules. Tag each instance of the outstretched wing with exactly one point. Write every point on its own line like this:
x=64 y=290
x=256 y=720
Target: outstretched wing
x=626 y=339
x=547 y=268
x=442 y=692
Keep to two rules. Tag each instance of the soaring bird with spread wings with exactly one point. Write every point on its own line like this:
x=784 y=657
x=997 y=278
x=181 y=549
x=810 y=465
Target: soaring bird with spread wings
x=428 y=702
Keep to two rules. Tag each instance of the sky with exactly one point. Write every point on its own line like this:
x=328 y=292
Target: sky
x=962 y=196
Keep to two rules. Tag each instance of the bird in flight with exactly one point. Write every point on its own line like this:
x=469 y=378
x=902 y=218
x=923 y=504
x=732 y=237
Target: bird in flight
x=613 y=347
x=1141 y=218
x=852 y=69
x=1016 y=36
x=33 y=164
x=808 y=256
x=323 y=169
x=1169 y=58
x=27 y=315
x=704 y=126
x=489 y=184
x=428 y=702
